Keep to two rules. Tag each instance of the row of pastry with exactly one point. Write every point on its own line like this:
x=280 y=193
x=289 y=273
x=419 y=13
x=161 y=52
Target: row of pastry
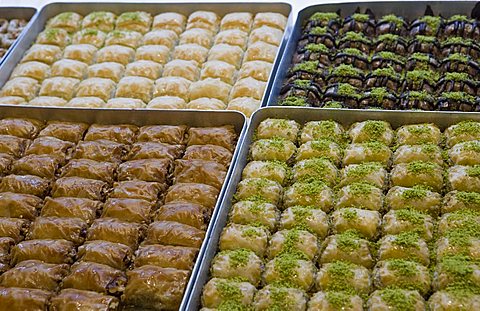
x=94 y=229
x=87 y=67
x=289 y=244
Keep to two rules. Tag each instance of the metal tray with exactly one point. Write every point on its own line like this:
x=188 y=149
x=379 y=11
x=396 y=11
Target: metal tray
x=27 y=13
x=84 y=8
x=148 y=117
x=409 y=9
x=345 y=117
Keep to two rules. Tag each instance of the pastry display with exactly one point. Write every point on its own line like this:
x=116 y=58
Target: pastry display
x=91 y=214
x=366 y=216
x=91 y=61
x=366 y=61
x=10 y=29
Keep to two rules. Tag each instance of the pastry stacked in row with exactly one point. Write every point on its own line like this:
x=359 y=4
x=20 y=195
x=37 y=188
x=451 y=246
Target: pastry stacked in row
x=430 y=63
x=370 y=218
x=137 y=61
x=104 y=216
x=9 y=32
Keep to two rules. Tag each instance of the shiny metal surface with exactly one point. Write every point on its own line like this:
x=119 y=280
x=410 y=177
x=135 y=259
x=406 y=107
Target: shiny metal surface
x=27 y=13
x=146 y=117
x=407 y=9
x=396 y=118
x=83 y=8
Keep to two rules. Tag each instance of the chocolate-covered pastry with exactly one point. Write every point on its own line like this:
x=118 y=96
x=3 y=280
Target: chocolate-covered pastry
x=457 y=101
x=457 y=82
x=460 y=45
x=346 y=74
x=424 y=44
x=294 y=101
x=307 y=71
x=313 y=52
x=355 y=40
x=317 y=35
x=460 y=63
x=391 y=24
x=391 y=43
x=302 y=88
x=419 y=80
x=364 y=23
x=379 y=97
x=352 y=56
x=324 y=19
x=417 y=100
x=332 y=104
x=384 y=77
x=421 y=61
x=343 y=92
x=461 y=26
x=388 y=59
x=426 y=25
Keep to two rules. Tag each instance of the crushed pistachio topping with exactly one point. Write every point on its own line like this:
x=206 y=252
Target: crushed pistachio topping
x=360 y=17
x=420 y=95
x=355 y=37
x=471 y=146
x=398 y=300
x=421 y=167
x=238 y=257
x=251 y=232
x=294 y=101
x=352 y=51
x=339 y=300
x=303 y=84
x=468 y=197
x=375 y=128
x=457 y=41
x=458 y=57
x=414 y=193
x=459 y=18
x=385 y=72
x=362 y=170
x=65 y=16
x=432 y=21
x=345 y=89
x=324 y=16
x=349 y=214
x=133 y=16
x=318 y=31
x=348 y=241
x=90 y=32
x=473 y=171
x=317 y=48
x=407 y=239
x=403 y=267
x=425 y=39
x=332 y=104
x=458 y=96
x=228 y=290
x=321 y=144
x=360 y=189
x=466 y=127
x=52 y=33
x=279 y=299
x=393 y=19
x=309 y=188
x=388 y=37
x=420 y=57
x=457 y=76
x=410 y=215
x=308 y=66
x=286 y=264
x=344 y=70
x=379 y=94
x=418 y=76
x=390 y=56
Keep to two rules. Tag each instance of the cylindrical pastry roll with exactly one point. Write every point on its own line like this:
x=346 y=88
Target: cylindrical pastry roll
x=25 y=184
x=49 y=251
x=23 y=299
x=13 y=228
x=464 y=178
x=168 y=134
x=75 y=298
x=84 y=209
x=79 y=187
x=174 y=233
x=131 y=210
x=17 y=205
x=86 y=168
x=201 y=194
x=166 y=256
x=459 y=200
x=70 y=229
x=154 y=150
x=100 y=150
x=155 y=170
x=199 y=171
x=116 y=231
x=209 y=152
x=191 y=214
x=112 y=254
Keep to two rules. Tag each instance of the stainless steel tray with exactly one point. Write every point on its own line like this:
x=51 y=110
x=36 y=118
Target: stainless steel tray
x=27 y=13
x=146 y=117
x=302 y=115
x=83 y=8
x=409 y=9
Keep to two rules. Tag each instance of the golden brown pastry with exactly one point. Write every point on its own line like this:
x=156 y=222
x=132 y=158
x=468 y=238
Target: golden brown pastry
x=116 y=53
x=116 y=231
x=95 y=277
x=115 y=255
x=191 y=214
x=144 y=68
x=136 y=189
x=24 y=87
x=100 y=150
x=193 y=193
x=187 y=69
x=130 y=39
x=227 y=53
x=135 y=87
x=47 y=101
x=122 y=133
x=174 y=233
x=25 y=299
x=155 y=170
x=60 y=87
x=44 y=166
x=168 y=134
x=44 y=53
x=96 y=87
x=19 y=205
x=69 y=68
x=35 y=70
x=172 y=86
x=164 y=37
x=14 y=228
x=166 y=256
x=26 y=184
x=223 y=136
x=67 y=131
x=51 y=146
x=167 y=102
x=79 y=187
x=106 y=70
x=49 y=251
x=134 y=21
x=154 y=150
x=81 y=208
x=171 y=21
x=203 y=19
x=237 y=20
x=82 y=52
x=153 y=52
x=69 y=21
x=199 y=171
x=209 y=153
x=131 y=210
x=24 y=128
x=233 y=37
x=12 y=145
x=104 y=21
x=70 y=229
x=191 y=52
x=71 y=299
